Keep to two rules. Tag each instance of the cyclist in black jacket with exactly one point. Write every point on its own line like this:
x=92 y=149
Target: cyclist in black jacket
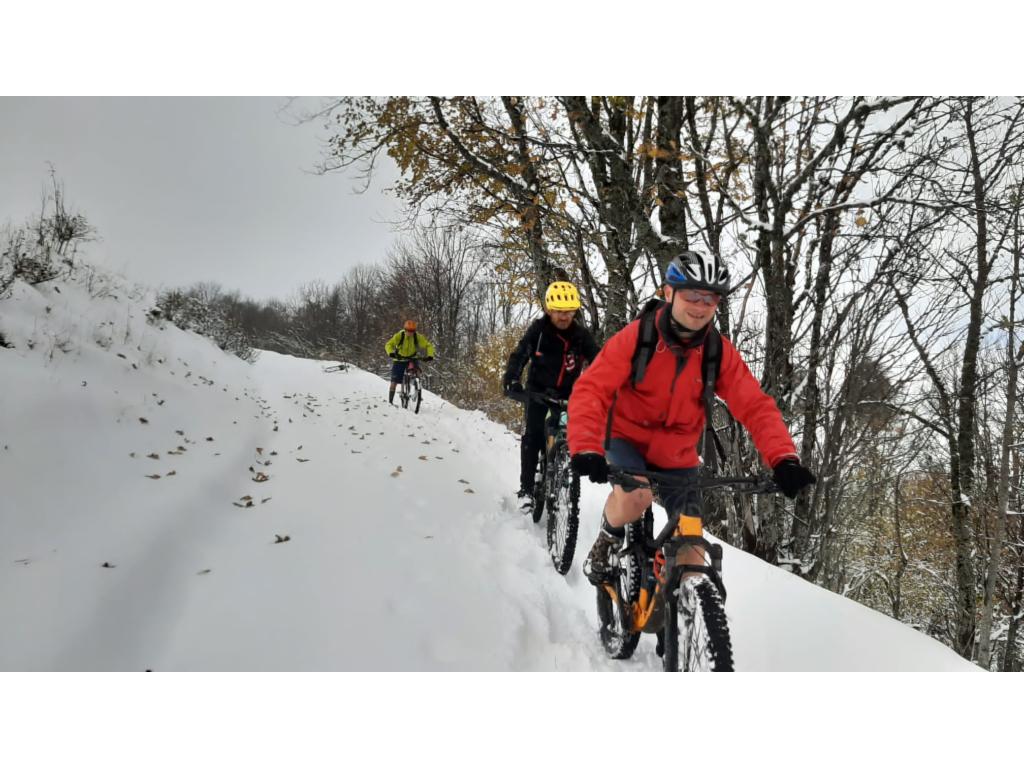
x=556 y=346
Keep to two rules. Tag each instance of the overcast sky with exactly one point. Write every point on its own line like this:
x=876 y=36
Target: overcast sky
x=190 y=189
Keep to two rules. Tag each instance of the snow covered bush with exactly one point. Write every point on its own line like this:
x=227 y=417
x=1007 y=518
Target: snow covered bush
x=46 y=246
x=202 y=309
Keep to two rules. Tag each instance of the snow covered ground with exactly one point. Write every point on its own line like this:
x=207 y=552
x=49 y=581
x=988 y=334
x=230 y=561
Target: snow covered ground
x=137 y=530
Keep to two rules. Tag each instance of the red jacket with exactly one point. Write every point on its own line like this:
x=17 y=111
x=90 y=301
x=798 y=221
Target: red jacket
x=662 y=418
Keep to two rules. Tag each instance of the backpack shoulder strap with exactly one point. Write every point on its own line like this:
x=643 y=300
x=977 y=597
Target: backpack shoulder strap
x=646 y=341
x=711 y=364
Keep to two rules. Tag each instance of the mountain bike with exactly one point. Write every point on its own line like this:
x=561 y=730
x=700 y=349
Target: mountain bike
x=559 y=489
x=656 y=589
x=412 y=390
x=556 y=486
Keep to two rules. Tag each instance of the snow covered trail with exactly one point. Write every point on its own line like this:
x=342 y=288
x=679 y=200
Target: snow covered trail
x=405 y=550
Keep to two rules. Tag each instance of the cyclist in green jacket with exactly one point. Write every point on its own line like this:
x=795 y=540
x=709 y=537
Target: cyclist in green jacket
x=403 y=346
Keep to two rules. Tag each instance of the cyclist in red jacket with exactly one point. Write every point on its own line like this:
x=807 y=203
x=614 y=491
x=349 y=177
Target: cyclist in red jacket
x=657 y=423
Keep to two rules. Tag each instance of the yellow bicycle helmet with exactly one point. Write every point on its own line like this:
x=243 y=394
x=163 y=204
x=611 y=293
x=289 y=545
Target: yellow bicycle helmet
x=561 y=297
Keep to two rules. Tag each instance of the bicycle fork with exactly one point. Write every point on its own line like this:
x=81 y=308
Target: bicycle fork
x=666 y=566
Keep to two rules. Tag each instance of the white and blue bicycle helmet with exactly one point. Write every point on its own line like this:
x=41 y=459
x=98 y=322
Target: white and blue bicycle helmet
x=690 y=269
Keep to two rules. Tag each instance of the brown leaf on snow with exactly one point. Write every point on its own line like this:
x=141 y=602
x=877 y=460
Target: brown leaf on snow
x=279 y=539
x=209 y=439
x=422 y=458
x=153 y=477
x=264 y=501
x=108 y=565
x=143 y=420
x=469 y=490
x=172 y=472
x=395 y=474
x=153 y=456
x=179 y=432
x=303 y=460
x=259 y=477
x=465 y=482
x=259 y=451
x=203 y=572
x=273 y=453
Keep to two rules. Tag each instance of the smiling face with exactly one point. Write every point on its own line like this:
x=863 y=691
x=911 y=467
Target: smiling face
x=690 y=308
x=561 y=320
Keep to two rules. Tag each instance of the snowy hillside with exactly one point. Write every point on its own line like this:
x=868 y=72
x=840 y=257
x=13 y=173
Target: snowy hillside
x=166 y=506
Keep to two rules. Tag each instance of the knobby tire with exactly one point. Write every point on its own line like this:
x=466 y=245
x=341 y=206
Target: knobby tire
x=696 y=633
x=563 y=491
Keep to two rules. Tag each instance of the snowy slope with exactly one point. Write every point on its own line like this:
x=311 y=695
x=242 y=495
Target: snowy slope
x=404 y=551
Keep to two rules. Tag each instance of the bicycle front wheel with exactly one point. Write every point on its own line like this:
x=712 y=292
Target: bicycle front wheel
x=539 y=486
x=563 y=509
x=419 y=395
x=405 y=392
x=696 y=632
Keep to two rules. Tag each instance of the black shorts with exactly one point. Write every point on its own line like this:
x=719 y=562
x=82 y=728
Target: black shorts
x=685 y=499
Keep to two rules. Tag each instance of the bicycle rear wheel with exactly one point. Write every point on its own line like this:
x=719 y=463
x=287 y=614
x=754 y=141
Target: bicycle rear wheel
x=563 y=509
x=419 y=395
x=696 y=633
x=615 y=607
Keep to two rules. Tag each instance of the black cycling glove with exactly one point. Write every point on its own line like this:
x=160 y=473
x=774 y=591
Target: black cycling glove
x=792 y=477
x=592 y=465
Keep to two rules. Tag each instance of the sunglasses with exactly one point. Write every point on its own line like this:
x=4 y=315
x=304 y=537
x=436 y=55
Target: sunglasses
x=696 y=297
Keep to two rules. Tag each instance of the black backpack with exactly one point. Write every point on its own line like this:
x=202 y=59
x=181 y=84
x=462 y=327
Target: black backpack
x=711 y=364
x=401 y=340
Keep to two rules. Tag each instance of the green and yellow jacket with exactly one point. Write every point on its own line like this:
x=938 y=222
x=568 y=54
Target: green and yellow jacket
x=410 y=345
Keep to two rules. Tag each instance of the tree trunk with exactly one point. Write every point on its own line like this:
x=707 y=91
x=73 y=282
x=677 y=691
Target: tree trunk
x=999 y=526
x=669 y=175
x=962 y=462
x=803 y=508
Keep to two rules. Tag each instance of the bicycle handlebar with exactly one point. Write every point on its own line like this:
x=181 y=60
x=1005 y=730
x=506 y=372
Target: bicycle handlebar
x=538 y=397
x=627 y=478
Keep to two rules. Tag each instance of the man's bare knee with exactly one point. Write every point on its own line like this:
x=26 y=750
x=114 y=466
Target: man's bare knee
x=626 y=507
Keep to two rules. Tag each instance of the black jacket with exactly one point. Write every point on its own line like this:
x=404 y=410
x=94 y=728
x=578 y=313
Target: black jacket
x=556 y=357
